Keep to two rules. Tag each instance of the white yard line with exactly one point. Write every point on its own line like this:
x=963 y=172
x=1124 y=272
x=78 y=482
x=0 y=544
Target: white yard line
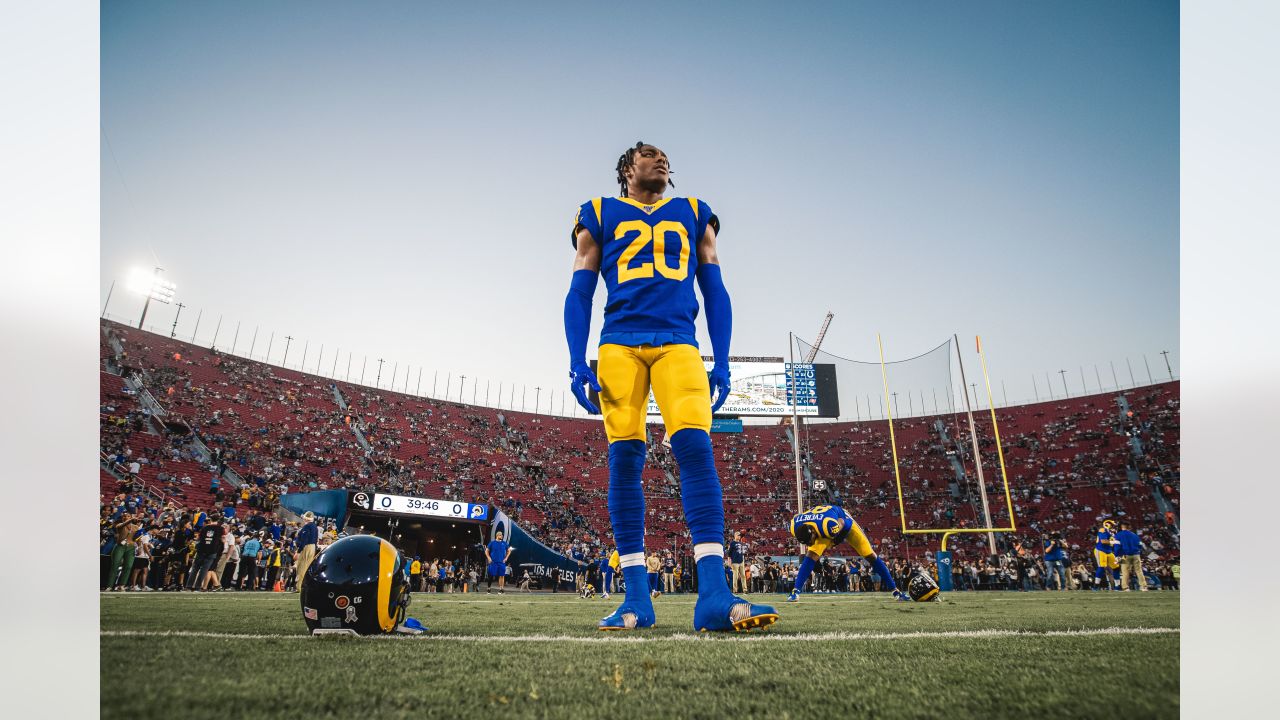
x=641 y=638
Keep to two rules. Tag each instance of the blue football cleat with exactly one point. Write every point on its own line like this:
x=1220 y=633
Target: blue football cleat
x=629 y=616
x=901 y=596
x=722 y=612
x=793 y=597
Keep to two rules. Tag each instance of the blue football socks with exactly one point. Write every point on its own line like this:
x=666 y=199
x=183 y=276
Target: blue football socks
x=626 y=513
x=699 y=486
x=626 y=496
x=704 y=512
x=802 y=575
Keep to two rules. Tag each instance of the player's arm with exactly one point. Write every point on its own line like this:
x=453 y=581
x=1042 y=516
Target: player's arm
x=508 y=555
x=577 y=317
x=719 y=313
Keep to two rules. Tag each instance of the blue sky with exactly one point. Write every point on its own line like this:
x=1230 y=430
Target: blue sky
x=398 y=180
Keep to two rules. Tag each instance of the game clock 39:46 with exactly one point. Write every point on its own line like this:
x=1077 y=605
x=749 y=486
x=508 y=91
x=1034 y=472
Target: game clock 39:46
x=426 y=506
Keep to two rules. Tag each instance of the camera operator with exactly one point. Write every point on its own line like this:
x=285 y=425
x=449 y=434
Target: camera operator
x=208 y=550
x=1055 y=562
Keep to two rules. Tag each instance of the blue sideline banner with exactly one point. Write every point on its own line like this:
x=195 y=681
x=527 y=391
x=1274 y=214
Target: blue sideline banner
x=324 y=503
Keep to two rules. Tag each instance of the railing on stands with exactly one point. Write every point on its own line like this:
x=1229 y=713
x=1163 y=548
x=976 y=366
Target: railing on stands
x=138 y=382
x=231 y=476
x=121 y=472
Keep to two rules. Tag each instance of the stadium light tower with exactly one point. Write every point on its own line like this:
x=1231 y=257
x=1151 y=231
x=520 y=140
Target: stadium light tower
x=154 y=288
x=174 y=331
x=1167 y=366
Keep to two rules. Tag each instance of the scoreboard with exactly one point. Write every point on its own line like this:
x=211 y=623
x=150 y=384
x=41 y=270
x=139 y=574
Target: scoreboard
x=405 y=505
x=802 y=386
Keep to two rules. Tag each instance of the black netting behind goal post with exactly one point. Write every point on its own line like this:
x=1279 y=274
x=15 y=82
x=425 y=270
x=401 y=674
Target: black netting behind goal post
x=922 y=466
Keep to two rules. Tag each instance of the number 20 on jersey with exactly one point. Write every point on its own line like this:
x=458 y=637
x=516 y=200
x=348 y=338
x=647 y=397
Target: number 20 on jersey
x=656 y=234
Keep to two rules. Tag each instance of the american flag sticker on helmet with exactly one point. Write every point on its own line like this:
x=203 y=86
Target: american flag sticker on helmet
x=310 y=613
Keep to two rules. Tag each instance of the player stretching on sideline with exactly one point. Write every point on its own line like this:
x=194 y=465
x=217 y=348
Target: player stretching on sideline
x=824 y=527
x=650 y=250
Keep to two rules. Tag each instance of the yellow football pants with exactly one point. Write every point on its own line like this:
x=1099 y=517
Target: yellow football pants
x=678 y=379
x=1106 y=561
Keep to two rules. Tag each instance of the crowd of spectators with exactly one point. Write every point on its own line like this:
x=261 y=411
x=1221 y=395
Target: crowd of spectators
x=147 y=544
x=236 y=434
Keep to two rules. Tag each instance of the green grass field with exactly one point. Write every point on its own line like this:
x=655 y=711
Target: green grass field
x=997 y=655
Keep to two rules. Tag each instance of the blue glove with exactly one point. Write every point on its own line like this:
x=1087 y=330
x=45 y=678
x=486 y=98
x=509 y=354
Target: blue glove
x=580 y=376
x=719 y=381
x=577 y=325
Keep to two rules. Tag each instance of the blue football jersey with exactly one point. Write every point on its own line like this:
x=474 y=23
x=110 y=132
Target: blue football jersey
x=648 y=260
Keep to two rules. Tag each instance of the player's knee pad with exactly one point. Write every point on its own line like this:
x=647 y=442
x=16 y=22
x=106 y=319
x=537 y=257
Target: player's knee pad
x=692 y=411
x=626 y=495
x=623 y=424
x=699 y=485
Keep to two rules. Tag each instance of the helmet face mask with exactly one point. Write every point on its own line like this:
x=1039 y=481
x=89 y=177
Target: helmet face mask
x=356 y=586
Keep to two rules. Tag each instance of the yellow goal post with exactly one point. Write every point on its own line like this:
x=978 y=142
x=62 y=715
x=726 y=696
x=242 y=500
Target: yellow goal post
x=973 y=435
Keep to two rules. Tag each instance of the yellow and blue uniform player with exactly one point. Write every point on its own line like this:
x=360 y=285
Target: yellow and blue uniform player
x=823 y=527
x=651 y=250
x=1104 y=555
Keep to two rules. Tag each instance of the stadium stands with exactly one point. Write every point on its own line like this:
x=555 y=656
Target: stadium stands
x=1070 y=462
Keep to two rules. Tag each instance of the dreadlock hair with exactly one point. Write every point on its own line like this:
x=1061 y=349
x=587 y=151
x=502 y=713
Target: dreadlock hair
x=625 y=161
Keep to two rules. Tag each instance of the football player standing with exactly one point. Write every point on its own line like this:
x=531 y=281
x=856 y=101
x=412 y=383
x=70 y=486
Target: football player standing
x=1107 y=572
x=650 y=250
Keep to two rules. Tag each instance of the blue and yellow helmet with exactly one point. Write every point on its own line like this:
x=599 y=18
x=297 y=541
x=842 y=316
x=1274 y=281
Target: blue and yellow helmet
x=356 y=586
x=821 y=522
